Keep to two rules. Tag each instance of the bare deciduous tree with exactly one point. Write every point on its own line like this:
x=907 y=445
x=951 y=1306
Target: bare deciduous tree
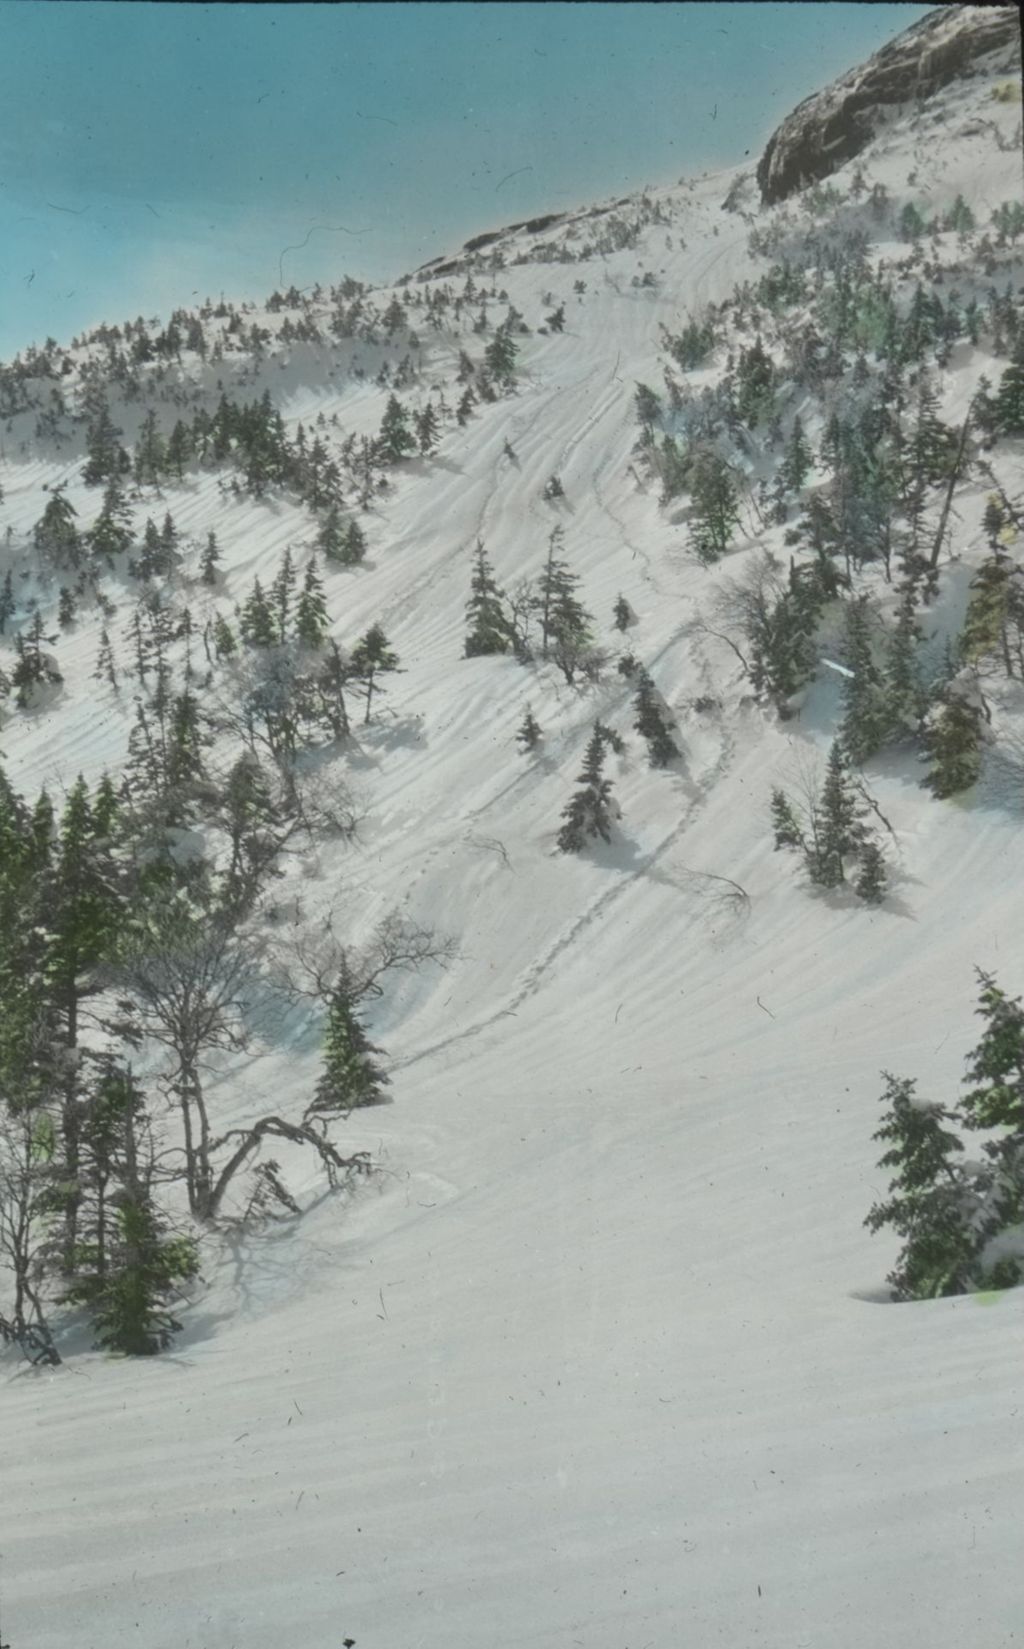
x=23 y=1232
x=310 y=964
x=187 y=968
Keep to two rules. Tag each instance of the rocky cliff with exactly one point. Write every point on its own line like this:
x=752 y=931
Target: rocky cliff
x=826 y=130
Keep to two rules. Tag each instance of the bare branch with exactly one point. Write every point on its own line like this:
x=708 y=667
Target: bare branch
x=311 y=964
x=338 y=1169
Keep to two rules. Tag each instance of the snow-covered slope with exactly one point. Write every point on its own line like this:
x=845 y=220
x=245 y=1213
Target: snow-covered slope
x=603 y=1355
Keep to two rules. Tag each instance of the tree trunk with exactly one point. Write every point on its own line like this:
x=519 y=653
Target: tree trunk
x=947 y=503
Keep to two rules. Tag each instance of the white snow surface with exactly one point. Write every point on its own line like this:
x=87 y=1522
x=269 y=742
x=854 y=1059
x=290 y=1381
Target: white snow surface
x=604 y=1356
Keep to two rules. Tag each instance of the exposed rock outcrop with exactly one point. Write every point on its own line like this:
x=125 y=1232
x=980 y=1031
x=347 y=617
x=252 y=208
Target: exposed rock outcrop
x=828 y=129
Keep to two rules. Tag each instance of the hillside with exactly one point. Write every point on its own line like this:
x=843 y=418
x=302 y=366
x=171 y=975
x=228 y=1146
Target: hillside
x=600 y=1352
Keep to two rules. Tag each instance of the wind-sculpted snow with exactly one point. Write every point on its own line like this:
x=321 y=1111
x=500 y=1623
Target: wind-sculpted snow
x=600 y=1356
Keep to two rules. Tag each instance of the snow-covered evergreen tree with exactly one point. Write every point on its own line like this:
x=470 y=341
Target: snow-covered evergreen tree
x=224 y=642
x=1009 y=399
x=372 y=657
x=563 y=618
x=866 y=713
x=8 y=604
x=839 y=831
x=129 y=1267
x=529 y=733
x=257 y=619
x=485 y=611
x=952 y=739
x=650 y=723
x=56 y=536
x=351 y=1077
x=500 y=356
x=931 y=1204
x=396 y=440
x=588 y=813
x=311 y=620
x=210 y=560
x=715 y=512
x=872 y=881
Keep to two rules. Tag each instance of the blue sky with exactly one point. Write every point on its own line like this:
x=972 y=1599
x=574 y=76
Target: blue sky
x=150 y=153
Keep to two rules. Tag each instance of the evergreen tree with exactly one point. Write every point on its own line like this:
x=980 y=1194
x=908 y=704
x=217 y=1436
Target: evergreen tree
x=394 y=318
x=179 y=450
x=872 y=880
x=467 y=401
x=110 y=534
x=1009 y=399
x=798 y=461
x=106 y=669
x=500 y=357
x=8 y=605
x=838 y=829
x=249 y=814
x=106 y=459
x=755 y=375
x=622 y=614
x=912 y=224
x=960 y=218
x=650 y=723
x=350 y=1078
x=311 y=620
x=210 y=560
x=715 y=512
x=865 y=710
x=991 y=612
x=395 y=440
x=905 y=698
x=131 y=1310
x=563 y=618
x=930 y=1203
x=648 y=407
x=785 y=826
x=995 y=1071
x=83 y=908
x=65 y=607
x=371 y=658
x=485 y=611
x=589 y=812
x=932 y=443
x=56 y=536
x=331 y=681
x=427 y=429
x=257 y=619
x=150 y=453
x=354 y=549
x=529 y=734
x=184 y=741
x=32 y=668
x=993 y=522
x=282 y=590
x=331 y=534
x=224 y=643
x=128 y=1268
x=952 y=741
x=995 y=1100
